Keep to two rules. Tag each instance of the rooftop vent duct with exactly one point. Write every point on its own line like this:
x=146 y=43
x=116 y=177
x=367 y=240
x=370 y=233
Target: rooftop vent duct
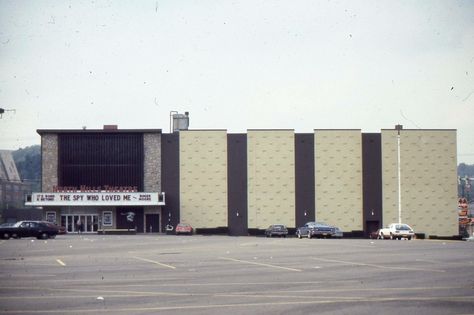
x=180 y=121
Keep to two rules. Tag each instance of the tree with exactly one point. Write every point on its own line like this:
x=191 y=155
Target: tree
x=28 y=163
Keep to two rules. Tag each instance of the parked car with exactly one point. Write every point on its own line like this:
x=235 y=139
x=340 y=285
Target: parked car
x=338 y=232
x=38 y=229
x=317 y=229
x=61 y=229
x=397 y=231
x=276 y=229
x=184 y=228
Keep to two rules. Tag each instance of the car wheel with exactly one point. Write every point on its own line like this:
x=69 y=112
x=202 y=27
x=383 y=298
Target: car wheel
x=409 y=237
x=44 y=236
x=381 y=236
x=391 y=236
x=298 y=234
x=14 y=235
x=309 y=234
x=6 y=235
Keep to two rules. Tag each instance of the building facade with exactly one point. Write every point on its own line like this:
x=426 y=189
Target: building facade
x=94 y=180
x=241 y=183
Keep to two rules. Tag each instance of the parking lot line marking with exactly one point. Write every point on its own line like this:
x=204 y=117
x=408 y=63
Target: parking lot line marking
x=154 y=262
x=466 y=299
x=59 y=261
x=259 y=264
x=377 y=266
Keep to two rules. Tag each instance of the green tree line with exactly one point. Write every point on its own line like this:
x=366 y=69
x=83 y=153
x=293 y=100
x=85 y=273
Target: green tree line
x=28 y=163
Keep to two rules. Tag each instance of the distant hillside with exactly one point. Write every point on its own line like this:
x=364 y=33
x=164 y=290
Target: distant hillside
x=28 y=163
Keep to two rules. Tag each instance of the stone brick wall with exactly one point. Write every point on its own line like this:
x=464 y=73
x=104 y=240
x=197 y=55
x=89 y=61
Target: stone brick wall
x=49 y=161
x=152 y=163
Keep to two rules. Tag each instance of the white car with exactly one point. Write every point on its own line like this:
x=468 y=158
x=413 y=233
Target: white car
x=397 y=231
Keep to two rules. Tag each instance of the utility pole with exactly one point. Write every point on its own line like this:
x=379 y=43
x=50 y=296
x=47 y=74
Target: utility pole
x=399 y=128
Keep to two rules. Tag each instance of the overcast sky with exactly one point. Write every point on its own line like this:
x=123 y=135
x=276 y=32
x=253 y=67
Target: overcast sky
x=237 y=65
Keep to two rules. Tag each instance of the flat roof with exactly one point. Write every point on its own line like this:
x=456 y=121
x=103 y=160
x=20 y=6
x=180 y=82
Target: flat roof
x=407 y=129
x=60 y=131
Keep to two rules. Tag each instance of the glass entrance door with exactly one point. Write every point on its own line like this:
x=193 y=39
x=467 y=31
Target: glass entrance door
x=89 y=222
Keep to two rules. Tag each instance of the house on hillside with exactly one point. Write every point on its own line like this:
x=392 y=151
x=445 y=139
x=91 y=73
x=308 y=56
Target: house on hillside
x=12 y=192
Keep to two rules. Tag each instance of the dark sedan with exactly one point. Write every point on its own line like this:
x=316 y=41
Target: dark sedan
x=276 y=229
x=38 y=229
x=316 y=229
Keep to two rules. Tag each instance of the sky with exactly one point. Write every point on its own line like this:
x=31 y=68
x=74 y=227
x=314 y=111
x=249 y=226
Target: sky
x=237 y=65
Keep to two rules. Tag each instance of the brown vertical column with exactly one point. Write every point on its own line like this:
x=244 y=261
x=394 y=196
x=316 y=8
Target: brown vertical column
x=237 y=184
x=304 y=179
x=372 y=181
x=170 y=179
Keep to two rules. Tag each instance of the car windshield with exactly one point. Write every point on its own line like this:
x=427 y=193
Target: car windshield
x=279 y=226
x=320 y=224
x=17 y=224
x=403 y=227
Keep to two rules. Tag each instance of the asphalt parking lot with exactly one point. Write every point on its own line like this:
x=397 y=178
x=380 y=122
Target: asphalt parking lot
x=165 y=274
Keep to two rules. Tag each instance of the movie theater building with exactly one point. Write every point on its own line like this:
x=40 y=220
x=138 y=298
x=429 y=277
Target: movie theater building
x=241 y=183
x=106 y=179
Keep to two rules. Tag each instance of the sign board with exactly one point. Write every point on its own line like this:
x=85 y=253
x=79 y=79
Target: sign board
x=97 y=199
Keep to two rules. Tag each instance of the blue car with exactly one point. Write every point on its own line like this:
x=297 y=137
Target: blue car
x=315 y=229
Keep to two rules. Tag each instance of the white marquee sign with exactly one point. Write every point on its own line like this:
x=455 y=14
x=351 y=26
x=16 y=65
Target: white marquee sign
x=96 y=199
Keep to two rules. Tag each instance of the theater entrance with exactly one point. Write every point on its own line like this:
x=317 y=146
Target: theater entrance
x=89 y=222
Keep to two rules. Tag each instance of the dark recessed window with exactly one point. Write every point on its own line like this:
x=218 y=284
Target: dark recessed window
x=100 y=159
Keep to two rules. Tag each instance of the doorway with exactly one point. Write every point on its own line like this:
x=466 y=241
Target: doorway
x=89 y=222
x=152 y=223
x=371 y=226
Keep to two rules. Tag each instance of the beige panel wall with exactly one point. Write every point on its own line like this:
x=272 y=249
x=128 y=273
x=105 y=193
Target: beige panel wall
x=271 y=178
x=428 y=180
x=338 y=178
x=203 y=178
